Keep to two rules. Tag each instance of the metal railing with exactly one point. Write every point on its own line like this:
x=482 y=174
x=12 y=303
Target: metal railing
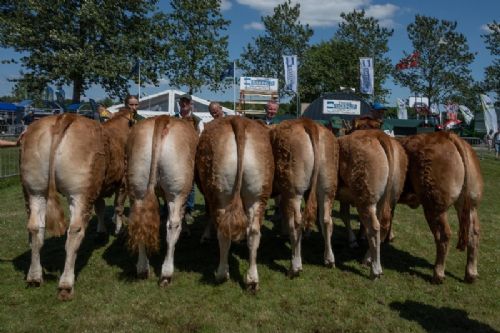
x=9 y=160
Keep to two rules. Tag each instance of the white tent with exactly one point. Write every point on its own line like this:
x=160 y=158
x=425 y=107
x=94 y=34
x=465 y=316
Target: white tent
x=167 y=102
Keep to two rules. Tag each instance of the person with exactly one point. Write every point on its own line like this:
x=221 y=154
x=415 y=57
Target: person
x=28 y=119
x=132 y=102
x=496 y=140
x=378 y=110
x=186 y=113
x=215 y=110
x=271 y=110
x=489 y=140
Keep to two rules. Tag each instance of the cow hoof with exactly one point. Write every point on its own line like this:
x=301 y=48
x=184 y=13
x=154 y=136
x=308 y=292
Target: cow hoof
x=65 y=293
x=143 y=275
x=253 y=287
x=436 y=279
x=330 y=264
x=34 y=283
x=221 y=278
x=375 y=276
x=165 y=281
x=293 y=273
x=469 y=278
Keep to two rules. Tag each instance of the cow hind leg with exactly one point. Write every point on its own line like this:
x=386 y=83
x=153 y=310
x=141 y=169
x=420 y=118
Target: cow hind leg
x=345 y=215
x=100 y=207
x=75 y=234
x=118 y=217
x=142 y=266
x=471 y=273
x=173 y=231
x=369 y=219
x=325 y=220
x=255 y=216
x=293 y=216
x=36 y=229
x=442 y=233
x=222 y=273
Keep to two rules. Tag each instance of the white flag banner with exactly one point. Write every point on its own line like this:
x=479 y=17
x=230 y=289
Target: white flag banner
x=366 y=75
x=490 y=115
x=290 y=63
x=467 y=113
x=402 y=113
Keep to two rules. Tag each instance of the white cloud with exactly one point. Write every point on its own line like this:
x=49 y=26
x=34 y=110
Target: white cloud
x=326 y=13
x=225 y=5
x=486 y=29
x=254 y=26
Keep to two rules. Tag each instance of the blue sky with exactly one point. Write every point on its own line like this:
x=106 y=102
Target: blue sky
x=323 y=16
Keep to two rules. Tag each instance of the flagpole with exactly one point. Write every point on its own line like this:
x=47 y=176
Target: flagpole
x=139 y=88
x=234 y=86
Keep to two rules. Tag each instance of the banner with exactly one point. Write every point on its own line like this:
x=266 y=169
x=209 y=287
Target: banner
x=290 y=63
x=490 y=115
x=467 y=113
x=366 y=75
x=228 y=71
x=402 y=113
x=333 y=106
x=259 y=84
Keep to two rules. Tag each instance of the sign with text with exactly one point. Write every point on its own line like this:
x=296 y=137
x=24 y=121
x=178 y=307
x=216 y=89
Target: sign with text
x=337 y=106
x=259 y=84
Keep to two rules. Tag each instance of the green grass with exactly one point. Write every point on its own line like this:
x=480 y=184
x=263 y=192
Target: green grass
x=343 y=299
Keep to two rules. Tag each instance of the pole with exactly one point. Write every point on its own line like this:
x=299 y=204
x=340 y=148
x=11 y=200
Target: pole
x=139 y=85
x=234 y=86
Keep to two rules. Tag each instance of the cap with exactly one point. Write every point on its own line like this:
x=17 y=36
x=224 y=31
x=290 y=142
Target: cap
x=378 y=106
x=187 y=96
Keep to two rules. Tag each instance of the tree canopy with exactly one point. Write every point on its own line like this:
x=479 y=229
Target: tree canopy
x=197 y=52
x=366 y=34
x=443 y=66
x=284 y=35
x=492 y=72
x=81 y=43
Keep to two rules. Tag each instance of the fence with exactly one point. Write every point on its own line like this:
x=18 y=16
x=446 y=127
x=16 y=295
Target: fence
x=9 y=161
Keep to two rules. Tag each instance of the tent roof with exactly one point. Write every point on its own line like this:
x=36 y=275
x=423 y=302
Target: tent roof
x=315 y=109
x=7 y=107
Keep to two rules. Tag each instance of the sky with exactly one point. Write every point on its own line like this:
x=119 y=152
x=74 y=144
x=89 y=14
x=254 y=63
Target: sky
x=323 y=16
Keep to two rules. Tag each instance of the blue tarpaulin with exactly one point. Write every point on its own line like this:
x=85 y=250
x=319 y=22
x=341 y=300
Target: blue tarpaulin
x=8 y=107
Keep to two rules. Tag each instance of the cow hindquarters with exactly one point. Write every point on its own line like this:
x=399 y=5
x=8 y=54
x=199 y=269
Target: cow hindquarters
x=36 y=229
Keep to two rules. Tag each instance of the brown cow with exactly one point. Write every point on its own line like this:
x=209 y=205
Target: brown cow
x=73 y=155
x=443 y=171
x=306 y=158
x=372 y=171
x=160 y=156
x=235 y=167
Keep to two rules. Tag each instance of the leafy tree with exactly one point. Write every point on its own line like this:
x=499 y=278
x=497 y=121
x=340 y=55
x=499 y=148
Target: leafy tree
x=284 y=35
x=197 y=53
x=492 y=72
x=81 y=43
x=372 y=40
x=327 y=66
x=443 y=69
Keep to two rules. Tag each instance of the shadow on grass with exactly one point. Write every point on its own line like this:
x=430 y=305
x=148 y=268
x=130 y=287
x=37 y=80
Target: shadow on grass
x=53 y=254
x=433 y=319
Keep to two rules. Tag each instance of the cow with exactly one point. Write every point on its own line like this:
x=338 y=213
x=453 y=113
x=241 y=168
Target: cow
x=160 y=159
x=75 y=156
x=372 y=172
x=306 y=157
x=235 y=167
x=443 y=171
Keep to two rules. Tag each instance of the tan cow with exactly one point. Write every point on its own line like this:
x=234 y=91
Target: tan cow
x=235 y=167
x=72 y=155
x=306 y=158
x=443 y=171
x=161 y=154
x=372 y=171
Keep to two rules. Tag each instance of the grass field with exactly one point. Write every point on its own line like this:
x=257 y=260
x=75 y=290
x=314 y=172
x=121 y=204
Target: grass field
x=343 y=299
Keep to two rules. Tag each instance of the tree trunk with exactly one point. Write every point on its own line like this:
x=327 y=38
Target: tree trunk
x=77 y=89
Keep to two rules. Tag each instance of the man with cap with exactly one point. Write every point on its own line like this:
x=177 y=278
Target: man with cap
x=271 y=110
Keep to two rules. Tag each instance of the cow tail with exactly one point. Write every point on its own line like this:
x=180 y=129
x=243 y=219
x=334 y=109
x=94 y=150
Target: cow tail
x=464 y=214
x=311 y=207
x=233 y=221
x=54 y=216
x=385 y=216
x=144 y=226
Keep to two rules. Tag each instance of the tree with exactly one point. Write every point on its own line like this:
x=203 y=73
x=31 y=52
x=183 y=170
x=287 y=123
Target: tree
x=444 y=59
x=81 y=43
x=492 y=72
x=197 y=53
x=284 y=35
x=327 y=66
x=372 y=40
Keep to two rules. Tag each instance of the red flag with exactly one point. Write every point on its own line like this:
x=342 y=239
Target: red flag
x=409 y=62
